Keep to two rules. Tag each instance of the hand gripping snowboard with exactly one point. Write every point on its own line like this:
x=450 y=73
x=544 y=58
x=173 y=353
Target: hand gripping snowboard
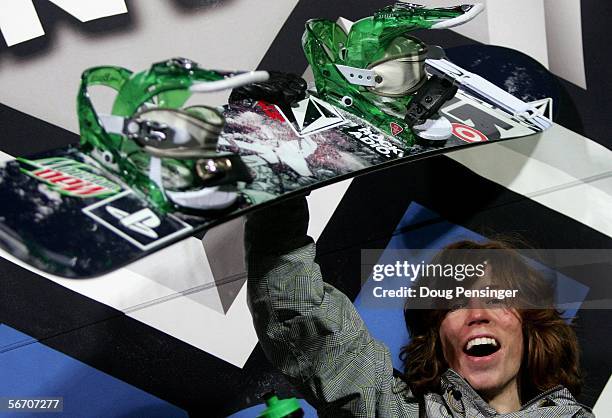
x=154 y=172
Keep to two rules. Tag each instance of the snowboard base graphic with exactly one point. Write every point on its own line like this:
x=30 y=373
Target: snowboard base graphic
x=64 y=215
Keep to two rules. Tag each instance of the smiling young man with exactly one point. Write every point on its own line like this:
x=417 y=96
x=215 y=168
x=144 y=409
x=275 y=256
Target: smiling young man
x=515 y=354
x=467 y=357
x=464 y=336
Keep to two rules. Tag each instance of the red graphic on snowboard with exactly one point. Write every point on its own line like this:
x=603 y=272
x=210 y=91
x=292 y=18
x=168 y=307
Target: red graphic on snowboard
x=468 y=134
x=270 y=111
x=396 y=129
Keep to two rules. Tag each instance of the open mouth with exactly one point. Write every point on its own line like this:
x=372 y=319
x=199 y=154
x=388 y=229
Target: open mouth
x=481 y=347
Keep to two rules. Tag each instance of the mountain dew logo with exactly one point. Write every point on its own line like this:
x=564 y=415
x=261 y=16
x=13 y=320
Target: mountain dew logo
x=69 y=177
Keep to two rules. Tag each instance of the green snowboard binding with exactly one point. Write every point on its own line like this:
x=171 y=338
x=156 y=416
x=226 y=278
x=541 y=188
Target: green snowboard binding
x=163 y=150
x=376 y=71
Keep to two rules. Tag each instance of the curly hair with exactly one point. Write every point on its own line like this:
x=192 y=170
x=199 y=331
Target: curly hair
x=550 y=353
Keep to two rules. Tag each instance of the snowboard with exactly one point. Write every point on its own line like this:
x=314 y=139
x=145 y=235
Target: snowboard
x=63 y=214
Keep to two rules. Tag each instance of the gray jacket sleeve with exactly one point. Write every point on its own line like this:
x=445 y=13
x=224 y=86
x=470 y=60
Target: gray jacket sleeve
x=310 y=330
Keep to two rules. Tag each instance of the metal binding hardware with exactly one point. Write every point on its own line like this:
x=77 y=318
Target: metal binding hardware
x=358 y=76
x=409 y=5
x=184 y=63
x=147 y=130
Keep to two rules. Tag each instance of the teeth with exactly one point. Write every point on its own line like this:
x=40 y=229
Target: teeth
x=480 y=341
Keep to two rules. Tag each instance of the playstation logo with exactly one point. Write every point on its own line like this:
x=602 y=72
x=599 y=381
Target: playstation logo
x=144 y=221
